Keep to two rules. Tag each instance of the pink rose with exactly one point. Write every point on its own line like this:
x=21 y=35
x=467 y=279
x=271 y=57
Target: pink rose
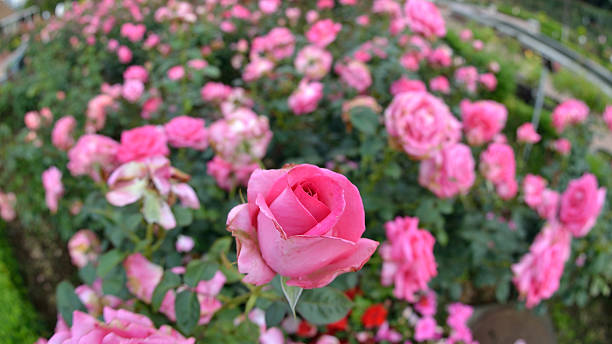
x=150 y=106
x=136 y=72
x=420 y=124
x=133 y=32
x=32 y=120
x=442 y=56
x=440 y=84
x=306 y=97
x=151 y=41
x=549 y=205
x=313 y=62
x=84 y=247
x=184 y=243
x=176 y=73
x=293 y=215
x=569 y=112
x=125 y=54
x=404 y=84
x=488 y=80
x=95 y=155
x=427 y=304
x=197 y=64
x=279 y=43
x=142 y=142
x=607 y=116
x=562 y=146
x=526 y=133
x=7 y=206
x=477 y=45
x=269 y=6
x=62 y=133
x=142 y=276
x=323 y=32
x=538 y=273
x=467 y=76
x=581 y=204
x=185 y=131
x=54 y=189
x=424 y=18
x=215 y=91
x=458 y=316
x=355 y=74
x=96 y=112
x=257 y=68
x=426 y=329
x=497 y=163
x=408 y=260
x=533 y=187
x=465 y=34
x=132 y=90
x=482 y=120
x=448 y=172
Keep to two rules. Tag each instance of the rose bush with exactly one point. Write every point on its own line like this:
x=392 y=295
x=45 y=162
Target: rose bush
x=310 y=132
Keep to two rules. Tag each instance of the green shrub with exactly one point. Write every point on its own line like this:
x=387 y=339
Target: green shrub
x=568 y=82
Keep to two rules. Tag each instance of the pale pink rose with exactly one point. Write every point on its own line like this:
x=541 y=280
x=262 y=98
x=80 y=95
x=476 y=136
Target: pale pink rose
x=54 y=189
x=569 y=112
x=197 y=64
x=363 y=20
x=293 y=14
x=420 y=124
x=279 y=43
x=215 y=91
x=548 y=207
x=185 y=131
x=424 y=18
x=426 y=329
x=327 y=339
x=467 y=76
x=404 y=84
x=113 y=91
x=356 y=74
x=440 y=84
x=240 y=12
x=581 y=204
x=386 y=334
x=323 y=32
x=96 y=112
x=448 y=172
x=133 y=32
x=408 y=260
x=46 y=114
x=8 y=202
x=227 y=26
x=256 y=69
x=137 y=73
x=142 y=276
x=607 y=116
x=313 y=62
x=325 y=4
x=151 y=41
x=269 y=6
x=533 y=187
x=84 y=247
x=507 y=189
x=293 y=215
x=427 y=304
x=411 y=61
x=176 y=73
x=494 y=67
x=526 y=133
x=498 y=165
x=61 y=136
x=306 y=97
x=465 y=34
x=477 y=45
x=272 y=335
x=458 y=316
x=132 y=90
x=482 y=120
x=562 y=146
x=142 y=142
x=32 y=120
x=488 y=80
x=538 y=273
x=442 y=56
x=119 y=326
x=125 y=54
x=184 y=243
x=150 y=106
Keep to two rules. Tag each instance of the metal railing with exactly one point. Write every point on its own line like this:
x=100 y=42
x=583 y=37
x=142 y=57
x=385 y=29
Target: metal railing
x=10 y=24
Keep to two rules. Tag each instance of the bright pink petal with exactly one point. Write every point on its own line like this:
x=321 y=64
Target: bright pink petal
x=316 y=208
x=351 y=224
x=293 y=217
x=259 y=183
x=332 y=195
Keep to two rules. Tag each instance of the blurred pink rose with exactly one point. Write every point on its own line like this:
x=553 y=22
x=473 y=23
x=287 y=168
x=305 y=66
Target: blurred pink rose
x=176 y=73
x=269 y=6
x=441 y=56
x=84 y=247
x=112 y=45
x=32 y=120
x=142 y=276
x=185 y=131
x=426 y=329
x=467 y=76
x=96 y=112
x=420 y=124
x=424 y=18
x=313 y=62
x=323 y=32
x=279 y=43
x=54 y=189
x=8 y=201
x=408 y=260
x=227 y=175
x=61 y=136
x=306 y=97
x=488 y=80
x=569 y=112
x=197 y=64
x=125 y=54
x=526 y=133
x=427 y=304
x=477 y=45
x=548 y=207
x=137 y=73
x=293 y=215
x=356 y=74
x=132 y=90
x=533 y=187
x=482 y=120
x=150 y=106
x=581 y=204
x=184 y=243
x=142 y=142
x=440 y=84
x=257 y=68
x=133 y=32
x=95 y=155
x=458 y=316
x=151 y=41
x=448 y=172
x=404 y=84
x=607 y=116
x=465 y=34
x=538 y=273
x=215 y=91
x=498 y=165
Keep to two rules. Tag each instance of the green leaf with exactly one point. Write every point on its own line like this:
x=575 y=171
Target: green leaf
x=364 y=119
x=324 y=305
x=68 y=301
x=184 y=216
x=169 y=281
x=88 y=273
x=220 y=246
x=292 y=294
x=276 y=313
x=108 y=261
x=115 y=283
x=131 y=222
x=187 y=311
x=198 y=270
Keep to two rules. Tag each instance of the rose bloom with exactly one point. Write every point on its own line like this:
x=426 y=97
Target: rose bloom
x=54 y=189
x=488 y=80
x=420 y=124
x=467 y=76
x=548 y=207
x=537 y=274
x=133 y=32
x=184 y=243
x=411 y=61
x=269 y=6
x=441 y=56
x=61 y=136
x=176 y=73
x=581 y=204
x=424 y=18
x=533 y=187
x=562 y=146
x=84 y=247
x=143 y=276
x=426 y=329
x=458 y=316
x=132 y=90
x=185 y=131
x=7 y=206
x=151 y=41
x=448 y=172
x=477 y=45
x=323 y=32
x=32 y=120
x=197 y=64
x=482 y=120
x=46 y=114
x=355 y=74
x=125 y=54
x=569 y=112
x=95 y=155
x=279 y=42
x=142 y=142
x=440 y=84
x=295 y=214
x=404 y=84
x=386 y=334
x=215 y=91
x=408 y=260
x=526 y=133
x=150 y=106
x=497 y=163
x=427 y=304
x=96 y=112
x=465 y=34
x=313 y=62
x=257 y=68
x=137 y=73
x=607 y=116
x=306 y=97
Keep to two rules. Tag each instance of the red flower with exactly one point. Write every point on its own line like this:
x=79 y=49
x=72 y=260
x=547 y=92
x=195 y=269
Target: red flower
x=305 y=329
x=351 y=293
x=339 y=325
x=374 y=316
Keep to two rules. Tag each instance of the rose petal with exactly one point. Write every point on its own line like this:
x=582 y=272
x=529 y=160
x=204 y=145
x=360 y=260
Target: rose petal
x=315 y=207
x=127 y=194
x=332 y=195
x=293 y=217
x=127 y=172
x=351 y=224
x=249 y=257
x=260 y=182
x=187 y=195
x=166 y=218
x=354 y=260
